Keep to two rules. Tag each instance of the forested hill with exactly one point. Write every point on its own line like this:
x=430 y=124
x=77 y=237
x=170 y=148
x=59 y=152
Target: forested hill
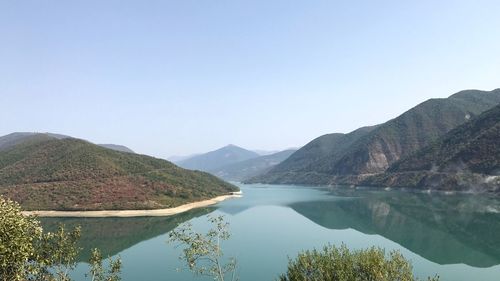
x=47 y=173
x=468 y=157
x=18 y=137
x=340 y=158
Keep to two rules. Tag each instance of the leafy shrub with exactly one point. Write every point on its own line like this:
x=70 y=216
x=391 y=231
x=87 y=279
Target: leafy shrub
x=29 y=254
x=17 y=234
x=341 y=264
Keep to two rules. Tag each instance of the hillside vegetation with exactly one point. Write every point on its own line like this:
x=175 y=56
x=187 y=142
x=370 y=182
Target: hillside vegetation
x=467 y=157
x=18 y=137
x=45 y=173
x=350 y=158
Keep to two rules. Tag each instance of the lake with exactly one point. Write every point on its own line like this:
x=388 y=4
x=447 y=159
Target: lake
x=456 y=236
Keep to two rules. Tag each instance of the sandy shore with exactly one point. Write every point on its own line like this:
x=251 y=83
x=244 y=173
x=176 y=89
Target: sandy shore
x=134 y=213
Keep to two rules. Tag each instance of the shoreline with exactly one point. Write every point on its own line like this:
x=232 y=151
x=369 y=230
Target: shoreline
x=133 y=213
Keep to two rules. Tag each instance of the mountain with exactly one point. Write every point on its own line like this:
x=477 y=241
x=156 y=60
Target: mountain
x=18 y=137
x=117 y=147
x=467 y=157
x=349 y=158
x=252 y=167
x=301 y=166
x=46 y=173
x=214 y=160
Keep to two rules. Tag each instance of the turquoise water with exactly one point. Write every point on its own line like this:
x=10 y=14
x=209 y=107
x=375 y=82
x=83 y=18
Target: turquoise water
x=456 y=236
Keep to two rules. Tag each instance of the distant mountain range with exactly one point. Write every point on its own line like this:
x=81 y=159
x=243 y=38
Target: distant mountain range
x=47 y=172
x=179 y=158
x=234 y=163
x=351 y=158
x=216 y=159
x=247 y=169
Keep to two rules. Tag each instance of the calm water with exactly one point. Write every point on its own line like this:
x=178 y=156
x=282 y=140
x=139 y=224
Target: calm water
x=455 y=236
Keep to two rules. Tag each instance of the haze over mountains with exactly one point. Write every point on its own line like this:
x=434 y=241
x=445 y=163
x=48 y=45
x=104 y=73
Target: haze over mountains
x=234 y=163
x=247 y=169
x=221 y=157
x=350 y=158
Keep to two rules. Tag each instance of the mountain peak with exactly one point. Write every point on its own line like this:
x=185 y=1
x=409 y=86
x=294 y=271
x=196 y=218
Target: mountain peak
x=213 y=160
x=335 y=157
x=231 y=146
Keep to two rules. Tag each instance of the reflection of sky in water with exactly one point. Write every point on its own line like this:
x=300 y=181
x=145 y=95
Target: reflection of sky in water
x=270 y=224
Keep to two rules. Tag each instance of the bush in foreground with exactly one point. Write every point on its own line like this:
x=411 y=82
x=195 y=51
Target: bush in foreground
x=203 y=252
x=27 y=253
x=341 y=264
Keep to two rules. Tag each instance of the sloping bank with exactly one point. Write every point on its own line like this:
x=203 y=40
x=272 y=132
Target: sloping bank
x=135 y=213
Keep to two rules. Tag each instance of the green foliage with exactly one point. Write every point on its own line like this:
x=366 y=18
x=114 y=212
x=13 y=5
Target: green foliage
x=340 y=264
x=202 y=252
x=97 y=271
x=29 y=254
x=71 y=174
x=55 y=254
x=17 y=237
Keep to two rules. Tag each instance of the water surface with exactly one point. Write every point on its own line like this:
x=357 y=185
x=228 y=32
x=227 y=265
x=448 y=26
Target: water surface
x=453 y=235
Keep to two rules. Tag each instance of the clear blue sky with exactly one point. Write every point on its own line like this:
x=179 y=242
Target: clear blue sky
x=179 y=77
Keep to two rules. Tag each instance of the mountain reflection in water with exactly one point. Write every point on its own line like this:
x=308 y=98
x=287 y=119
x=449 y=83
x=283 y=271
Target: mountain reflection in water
x=446 y=229
x=113 y=235
x=455 y=236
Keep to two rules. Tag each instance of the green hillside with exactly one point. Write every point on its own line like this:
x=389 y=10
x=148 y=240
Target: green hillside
x=45 y=173
x=345 y=159
x=18 y=137
x=468 y=157
x=302 y=166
